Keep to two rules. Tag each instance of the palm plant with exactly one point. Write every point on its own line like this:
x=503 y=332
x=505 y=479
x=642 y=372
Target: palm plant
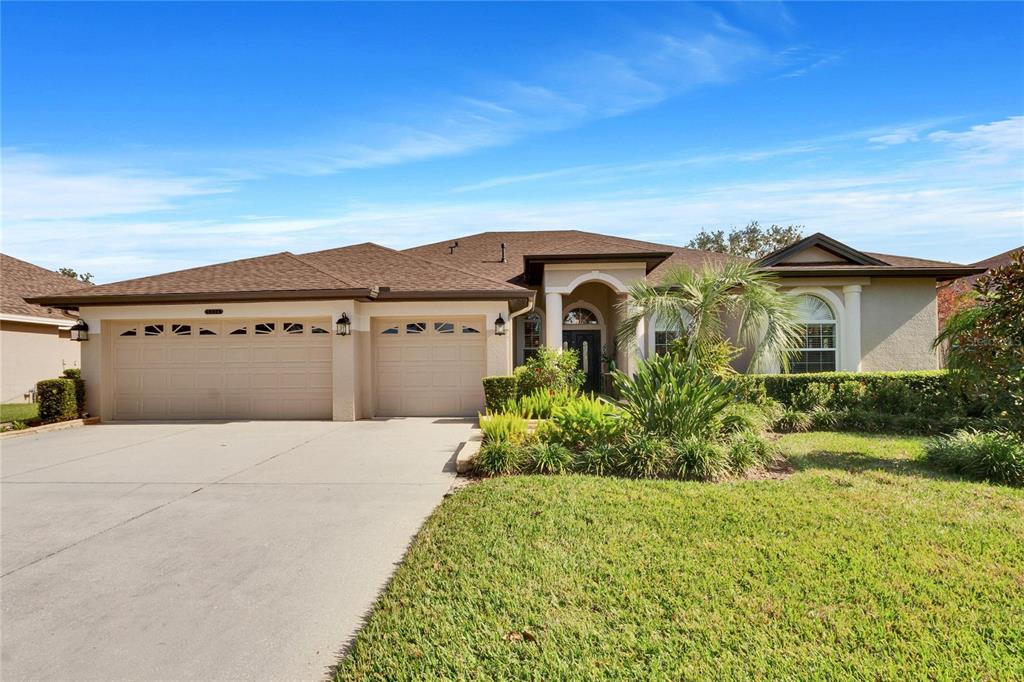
x=700 y=304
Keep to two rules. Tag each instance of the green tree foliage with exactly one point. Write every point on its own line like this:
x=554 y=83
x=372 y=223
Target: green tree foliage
x=752 y=241
x=984 y=344
x=699 y=305
x=85 y=277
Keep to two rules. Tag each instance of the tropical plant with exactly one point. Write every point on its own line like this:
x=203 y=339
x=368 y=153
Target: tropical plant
x=499 y=457
x=550 y=370
x=698 y=459
x=503 y=428
x=984 y=343
x=672 y=398
x=748 y=449
x=540 y=404
x=996 y=456
x=645 y=455
x=585 y=421
x=792 y=420
x=600 y=459
x=547 y=458
x=701 y=304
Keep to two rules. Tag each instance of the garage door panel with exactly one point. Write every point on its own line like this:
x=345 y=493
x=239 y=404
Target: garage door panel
x=431 y=373
x=218 y=376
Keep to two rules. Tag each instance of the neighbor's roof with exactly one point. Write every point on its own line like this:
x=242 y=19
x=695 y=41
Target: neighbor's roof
x=20 y=280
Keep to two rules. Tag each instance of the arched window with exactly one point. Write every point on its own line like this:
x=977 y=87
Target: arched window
x=580 y=316
x=817 y=350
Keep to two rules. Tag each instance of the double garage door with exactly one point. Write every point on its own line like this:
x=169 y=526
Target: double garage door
x=222 y=369
x=282 y=368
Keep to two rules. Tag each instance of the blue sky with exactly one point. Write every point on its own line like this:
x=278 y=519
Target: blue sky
x=146 y=137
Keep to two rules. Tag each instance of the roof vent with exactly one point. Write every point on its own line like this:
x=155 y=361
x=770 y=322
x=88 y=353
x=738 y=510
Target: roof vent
x=503 y=259
x=452 y=247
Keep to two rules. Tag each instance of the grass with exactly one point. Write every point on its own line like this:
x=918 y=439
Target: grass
x=862 y=564
x=18 y=412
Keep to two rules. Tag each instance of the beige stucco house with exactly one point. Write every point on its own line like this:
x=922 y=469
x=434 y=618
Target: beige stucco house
x=34 y=339
x=366 y=331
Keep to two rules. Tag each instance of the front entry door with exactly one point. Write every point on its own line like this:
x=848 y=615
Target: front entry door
x=587 y=345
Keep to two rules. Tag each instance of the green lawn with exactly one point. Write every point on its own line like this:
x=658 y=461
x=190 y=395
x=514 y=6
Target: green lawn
x=18 y=412
x=862 y=564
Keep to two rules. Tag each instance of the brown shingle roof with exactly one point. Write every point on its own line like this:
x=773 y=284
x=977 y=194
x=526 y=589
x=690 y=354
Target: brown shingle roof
x=20 y=280
x=370 y=264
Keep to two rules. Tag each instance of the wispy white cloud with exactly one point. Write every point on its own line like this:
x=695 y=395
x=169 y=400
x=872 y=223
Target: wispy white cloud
x=37 y=187
x=990 y=143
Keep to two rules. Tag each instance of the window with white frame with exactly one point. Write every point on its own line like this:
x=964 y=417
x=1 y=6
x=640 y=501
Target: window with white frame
x=531 y=335
x=817 y=349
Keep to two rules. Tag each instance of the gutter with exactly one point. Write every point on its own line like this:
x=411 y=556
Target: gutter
x=939 y=273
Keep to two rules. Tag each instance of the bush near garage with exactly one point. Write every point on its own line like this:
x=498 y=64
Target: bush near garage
x=498 y=390
x=75 y=374
x=56 y=400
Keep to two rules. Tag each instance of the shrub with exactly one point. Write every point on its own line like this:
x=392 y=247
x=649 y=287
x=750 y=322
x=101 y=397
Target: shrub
x=547 y=458
x=747 y=450
x=550 y=370
x=498 y=390
x=849 y=395
x=793 y=421
x=75 y=374
x=499 y=457
x=645 y=455
x=698 y=459
x=996 y=456
x=813 y=397
x=894 y=398
x=584 y=422
x=503 y=428
x=601 y=459
x=747 y=417
x=674 y=399
x=56 y=400
x=540 y=404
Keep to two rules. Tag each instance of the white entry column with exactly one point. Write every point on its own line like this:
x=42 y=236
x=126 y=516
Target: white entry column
x=851 y=337
x=553 y=320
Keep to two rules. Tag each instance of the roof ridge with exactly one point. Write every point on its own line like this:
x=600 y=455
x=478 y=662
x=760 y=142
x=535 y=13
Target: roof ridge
x=321 y=270
x=444 y=265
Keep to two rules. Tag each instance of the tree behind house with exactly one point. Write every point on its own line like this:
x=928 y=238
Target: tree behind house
x=752 y=241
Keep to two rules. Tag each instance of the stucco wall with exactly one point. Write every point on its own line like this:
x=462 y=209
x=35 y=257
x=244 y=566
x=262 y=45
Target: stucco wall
x=31 y=352
x=899 y=320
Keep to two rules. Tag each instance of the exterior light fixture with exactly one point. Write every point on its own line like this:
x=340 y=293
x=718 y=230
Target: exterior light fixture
x=80 y=332
x=343 y=327
x=499 y=326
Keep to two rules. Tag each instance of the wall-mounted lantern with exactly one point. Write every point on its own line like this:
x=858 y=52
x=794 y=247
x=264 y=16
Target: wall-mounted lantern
x=80 y=332
x=343 y=327
x=499 y=326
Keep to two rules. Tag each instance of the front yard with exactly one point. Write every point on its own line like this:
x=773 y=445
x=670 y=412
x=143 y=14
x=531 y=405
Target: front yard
x=18 y=412
x=862 y=563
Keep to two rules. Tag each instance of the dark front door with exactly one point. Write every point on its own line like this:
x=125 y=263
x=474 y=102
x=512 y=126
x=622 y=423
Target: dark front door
x=587 y=345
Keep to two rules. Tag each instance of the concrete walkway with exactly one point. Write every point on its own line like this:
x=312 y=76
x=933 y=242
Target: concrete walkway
x=241 y=550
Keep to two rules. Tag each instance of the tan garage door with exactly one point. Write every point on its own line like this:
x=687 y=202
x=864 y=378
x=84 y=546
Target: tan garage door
x=222 y=369
x=427 y=367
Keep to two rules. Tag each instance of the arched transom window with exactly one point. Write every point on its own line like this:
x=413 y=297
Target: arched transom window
x=580 y=316
x=817 y=350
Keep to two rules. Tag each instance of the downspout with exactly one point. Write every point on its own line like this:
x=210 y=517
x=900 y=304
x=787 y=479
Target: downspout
x=532 y=303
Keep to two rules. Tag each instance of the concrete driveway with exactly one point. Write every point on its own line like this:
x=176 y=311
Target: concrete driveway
x=242 y=550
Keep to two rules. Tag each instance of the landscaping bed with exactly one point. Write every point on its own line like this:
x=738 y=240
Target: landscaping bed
x=865 y=562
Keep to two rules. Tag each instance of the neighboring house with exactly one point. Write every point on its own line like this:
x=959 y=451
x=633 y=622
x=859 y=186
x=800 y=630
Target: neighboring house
x=367 y=331
x=34 y=339
x=951 y=294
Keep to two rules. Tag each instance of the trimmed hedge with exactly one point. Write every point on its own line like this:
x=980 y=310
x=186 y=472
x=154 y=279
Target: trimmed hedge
x=75 y=374
x=56 y=400
x=934 y=391
x=498 y=390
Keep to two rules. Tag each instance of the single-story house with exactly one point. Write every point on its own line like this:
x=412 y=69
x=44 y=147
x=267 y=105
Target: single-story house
x=35 y=340
x=367 y=331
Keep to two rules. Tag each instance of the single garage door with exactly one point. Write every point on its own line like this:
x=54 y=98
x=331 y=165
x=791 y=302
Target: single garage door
x=429 y=367
x=222 y=369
